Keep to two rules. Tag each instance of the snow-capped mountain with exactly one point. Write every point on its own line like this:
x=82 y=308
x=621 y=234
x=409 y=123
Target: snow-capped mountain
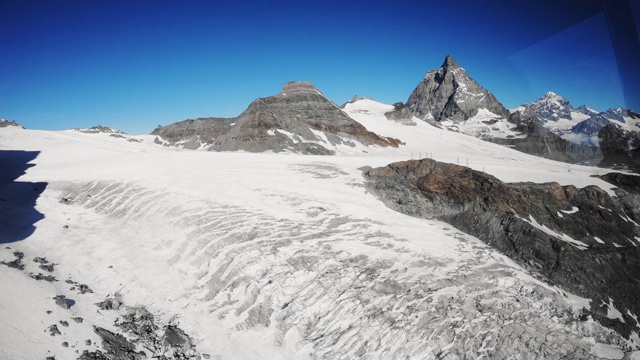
x=299 y=119
x=583 y=128
x=584 y=109
x=550 y=107
x=449 y=93
x=556 y=113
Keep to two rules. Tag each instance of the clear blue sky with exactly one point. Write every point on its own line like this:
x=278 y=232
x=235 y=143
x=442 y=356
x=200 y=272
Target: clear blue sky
x=136 y=64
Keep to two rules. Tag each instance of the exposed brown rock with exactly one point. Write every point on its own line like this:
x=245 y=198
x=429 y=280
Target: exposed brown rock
x=581 y=239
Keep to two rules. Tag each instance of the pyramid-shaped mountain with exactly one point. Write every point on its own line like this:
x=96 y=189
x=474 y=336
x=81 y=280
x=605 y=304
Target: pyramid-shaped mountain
x=550 y=107
x=298 y=119
x=449 y=93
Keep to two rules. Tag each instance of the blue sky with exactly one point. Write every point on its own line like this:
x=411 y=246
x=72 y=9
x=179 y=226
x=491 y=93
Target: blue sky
x=134 y=65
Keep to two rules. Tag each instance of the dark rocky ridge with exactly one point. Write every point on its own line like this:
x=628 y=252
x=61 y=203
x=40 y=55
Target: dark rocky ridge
x=619 y=147
x=7 y=123
x=538 y=141
x=450 y=93
x=502 y=215
x=298 y=109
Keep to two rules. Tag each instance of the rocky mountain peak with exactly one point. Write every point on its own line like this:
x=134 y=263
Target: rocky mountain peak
x=550 y=107
x=450 y=93
x=298 y=119
x=449 y=62
x=584 y=109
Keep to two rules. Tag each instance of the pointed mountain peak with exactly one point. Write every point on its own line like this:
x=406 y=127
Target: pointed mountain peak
x=550 y=107
x=553 y=97
x=550 y=95
x=449 y=63
x=450 y=93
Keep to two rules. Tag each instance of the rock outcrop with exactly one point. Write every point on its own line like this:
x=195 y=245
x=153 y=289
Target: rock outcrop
x=298 y=119
x=619 y=147
x=8 y=123
x=400 y=114
x=583 y=240
x=537 y=140
x=450 y=93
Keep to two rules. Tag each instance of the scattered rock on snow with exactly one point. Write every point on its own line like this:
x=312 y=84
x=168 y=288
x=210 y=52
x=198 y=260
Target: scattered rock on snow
x=53 y=330
x=17 y=262
x=111 y=303
x=63 y=302
x=41 y=276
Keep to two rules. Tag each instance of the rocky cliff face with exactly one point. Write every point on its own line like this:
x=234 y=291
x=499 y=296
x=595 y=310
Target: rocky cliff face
x=583 y=240
x=450 y=93
x=537 y=140
x=299 y=119
x=619 y=146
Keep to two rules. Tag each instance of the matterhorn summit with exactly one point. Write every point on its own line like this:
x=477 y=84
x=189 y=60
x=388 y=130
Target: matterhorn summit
x=449 y=93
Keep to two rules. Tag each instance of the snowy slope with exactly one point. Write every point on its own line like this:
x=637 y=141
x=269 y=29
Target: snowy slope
x=275 y=256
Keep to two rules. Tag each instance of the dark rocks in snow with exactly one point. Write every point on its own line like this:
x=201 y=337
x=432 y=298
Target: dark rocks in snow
x=82 y=288
x=94 y=355
x=17 y=262
x=87 y=342
x=65 y=201
x=64 y=323
x=47 y=267
x=65 y=344
x=139 y=321
x=63 y=302
x=111 y=303
x=580 y=239
x=53 y=330
x=78 y=319
x=41 y=276
x=44 y=264
x=41 y=260
x=116 y=346
x=177 y=342
x=401 y=114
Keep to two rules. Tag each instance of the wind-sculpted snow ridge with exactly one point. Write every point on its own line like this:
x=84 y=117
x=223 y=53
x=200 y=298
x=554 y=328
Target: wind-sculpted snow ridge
x=327 y=285
x=581 y=239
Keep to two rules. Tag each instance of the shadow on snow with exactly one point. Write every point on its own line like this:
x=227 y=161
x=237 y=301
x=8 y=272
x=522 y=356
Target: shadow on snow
x=17 y=199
